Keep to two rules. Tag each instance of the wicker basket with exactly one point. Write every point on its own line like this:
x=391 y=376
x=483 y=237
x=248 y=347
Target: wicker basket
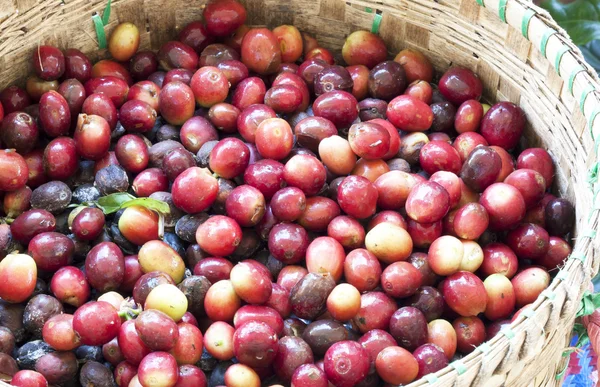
x=519 y=52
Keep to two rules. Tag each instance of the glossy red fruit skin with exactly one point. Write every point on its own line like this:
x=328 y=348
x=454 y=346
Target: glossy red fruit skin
x=51 y=250
x=288 y=204
x=309 y=69
x=69 y=286
x=260 y=51
x=16 y=202
x=262 y=314
x=101 y=105
x=292 y=353
x=157 y=330
x=465 y=294
x=176 y=55
x=346 y=363
x=305 y=172
x=55 y=115
x=137 y=116
x=124 y=372
x=18 y=131
x=35 y=163
x=459 y=84
x=503 y=125
x=48 y=62
x=290 y=78
x=194 y=190
x=409 y=114
x=376 y=310
x=13 y=99
x=504 y=204
x=362 y=270
x=401 y=279
x=250 y=118
x=146 y=91
x=214 y=54
x=255 y=344
x=364 y=48
x=229 y=158
x=528 y=241
x=196 y=36
x=132 y=347
x=224 y=116
x=96 y=323
x=481 y=168
x=274 y=139
x=210 y=86
x=150 y=181
x=223 y=17
x=427 y=202
x=77 y=65
x=266 y=176
x=499 y=258
x=177 y=161
x=558 y=251
x=309 y=375
x=539 y=160
x=430 y=359
x=74 y=93
x=248 y=92
x=30 y=223
x=92 y=137
x=288 y=242
x=101 y=257
x=191 y=376
x=530 y=183
x=142 y=65
x=28 y=378
x=214 y=269
x=439 y=156
x=60 y=158
x=319 y=212
x=310 y=131
x=110 y=68
x=369 y=140
x=14 y=171
x=18 y=274
x=284 y=99
x=176 y=103
x=357 y=197
x=339 y=107
x=158 y=365
x=219 y=235
x=246 y=205
x=115 y=88
x=181 y=75
x=132 y=153
x=320 y=53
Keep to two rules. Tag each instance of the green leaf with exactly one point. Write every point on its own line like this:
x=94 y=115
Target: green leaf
x=582 y=335
x=589 y=303
x=106 y=13
x=591 y=53
x=151 y=204
x=580 y=18
x=113 y=202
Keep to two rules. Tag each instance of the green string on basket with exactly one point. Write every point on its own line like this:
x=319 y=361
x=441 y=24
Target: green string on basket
x=99 y=23
x=376 y=21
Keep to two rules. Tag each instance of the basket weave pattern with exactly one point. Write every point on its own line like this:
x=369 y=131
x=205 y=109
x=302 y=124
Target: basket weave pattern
x=516 y=48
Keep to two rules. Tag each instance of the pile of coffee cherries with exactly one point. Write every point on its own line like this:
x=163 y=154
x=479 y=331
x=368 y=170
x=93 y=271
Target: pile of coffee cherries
x=239 y=210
